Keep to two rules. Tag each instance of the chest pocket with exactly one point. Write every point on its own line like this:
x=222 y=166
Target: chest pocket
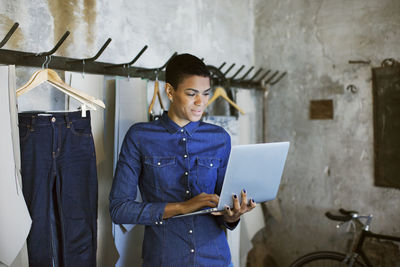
x=160 y=172
x=207 y=173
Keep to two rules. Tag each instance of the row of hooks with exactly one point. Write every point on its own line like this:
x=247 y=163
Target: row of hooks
x=90 y=65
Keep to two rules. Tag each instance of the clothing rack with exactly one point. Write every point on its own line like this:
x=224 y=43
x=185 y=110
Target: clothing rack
x=90 y=65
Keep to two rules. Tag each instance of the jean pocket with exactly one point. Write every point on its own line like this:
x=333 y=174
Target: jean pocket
x=81 y=128
x=24 y=132
x=207 y=172
x=160 y=171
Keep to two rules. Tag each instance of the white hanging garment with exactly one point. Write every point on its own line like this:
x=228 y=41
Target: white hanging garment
x=130 y=107
x=15 y=221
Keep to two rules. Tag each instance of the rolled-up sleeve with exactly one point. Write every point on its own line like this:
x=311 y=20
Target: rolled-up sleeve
x=124 y=209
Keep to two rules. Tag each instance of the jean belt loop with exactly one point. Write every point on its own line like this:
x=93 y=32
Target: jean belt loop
x=33 y=123
x=67 y=120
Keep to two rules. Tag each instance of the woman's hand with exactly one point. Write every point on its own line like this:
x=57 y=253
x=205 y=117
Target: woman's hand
x=202 y=200
x=233 y=215
x=198 y=202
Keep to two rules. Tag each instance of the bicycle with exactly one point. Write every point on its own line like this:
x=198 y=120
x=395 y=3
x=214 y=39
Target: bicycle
x=356 y=256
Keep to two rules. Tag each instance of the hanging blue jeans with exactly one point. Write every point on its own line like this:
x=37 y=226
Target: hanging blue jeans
x=59 y=181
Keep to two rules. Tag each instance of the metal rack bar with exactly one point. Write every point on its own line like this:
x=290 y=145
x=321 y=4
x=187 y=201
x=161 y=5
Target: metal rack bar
x=9 y=34
x=90 y=65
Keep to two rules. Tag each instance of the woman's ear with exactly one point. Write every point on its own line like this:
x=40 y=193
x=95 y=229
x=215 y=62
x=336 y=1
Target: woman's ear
x=169 y=90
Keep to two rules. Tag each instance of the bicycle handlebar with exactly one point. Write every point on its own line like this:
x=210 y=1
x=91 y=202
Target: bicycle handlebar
x=342 y=218
x=350 y=215
x=347 y=212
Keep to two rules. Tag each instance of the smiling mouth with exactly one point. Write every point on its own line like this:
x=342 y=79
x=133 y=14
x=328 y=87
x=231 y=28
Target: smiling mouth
x=197 y=111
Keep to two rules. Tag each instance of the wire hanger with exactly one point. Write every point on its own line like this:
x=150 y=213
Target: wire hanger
x=156 y=93
x=220 y=92
x=50 y=76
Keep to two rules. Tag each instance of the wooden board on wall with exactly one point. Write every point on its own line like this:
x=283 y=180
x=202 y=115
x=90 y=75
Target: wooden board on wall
x=386 y=99
x=321 y=109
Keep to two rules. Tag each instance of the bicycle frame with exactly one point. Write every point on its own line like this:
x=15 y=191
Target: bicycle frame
x=367 y=234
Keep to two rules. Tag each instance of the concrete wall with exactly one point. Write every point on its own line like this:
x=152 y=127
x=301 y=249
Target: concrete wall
x=330 y=163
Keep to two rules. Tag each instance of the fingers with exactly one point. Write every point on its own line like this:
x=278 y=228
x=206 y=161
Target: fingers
x=228 y=211
x=244 y=203
x=208 y=200
x=252 y=203
x=236 y=204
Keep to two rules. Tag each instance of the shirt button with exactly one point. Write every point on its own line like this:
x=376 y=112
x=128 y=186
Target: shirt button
x=156 y=222
x=186 y=173
x=185 y=156
x=53 y=119
x=192 y=250
x=187 y=191
x=190 y=231
x=158 y=163
x=183 y=139
x=211 y=164
x=181 y=130
x=160 y=222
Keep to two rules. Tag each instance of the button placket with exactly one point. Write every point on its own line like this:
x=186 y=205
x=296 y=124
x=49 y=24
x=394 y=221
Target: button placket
x=185 y=156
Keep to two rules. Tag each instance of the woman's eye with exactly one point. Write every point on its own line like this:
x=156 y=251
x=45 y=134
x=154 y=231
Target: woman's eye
x=190 y=94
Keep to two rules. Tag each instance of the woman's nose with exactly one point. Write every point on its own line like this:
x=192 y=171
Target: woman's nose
x=198 y=100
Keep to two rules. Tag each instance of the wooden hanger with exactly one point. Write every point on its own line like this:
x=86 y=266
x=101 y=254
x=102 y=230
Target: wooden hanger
x=50 y=76
x=156 y=93
x=220 y=92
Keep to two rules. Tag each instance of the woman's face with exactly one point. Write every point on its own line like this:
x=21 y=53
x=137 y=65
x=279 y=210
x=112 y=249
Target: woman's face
x=189 y=100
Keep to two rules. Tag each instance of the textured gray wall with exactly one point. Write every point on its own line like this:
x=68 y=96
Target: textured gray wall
x=216 y=30
x=330 y=163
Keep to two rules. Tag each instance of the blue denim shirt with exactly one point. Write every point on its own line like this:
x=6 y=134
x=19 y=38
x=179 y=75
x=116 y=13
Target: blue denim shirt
x=172 y=164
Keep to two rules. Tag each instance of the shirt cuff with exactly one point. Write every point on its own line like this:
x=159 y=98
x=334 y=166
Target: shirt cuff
x=227 y=225
x=157 y=213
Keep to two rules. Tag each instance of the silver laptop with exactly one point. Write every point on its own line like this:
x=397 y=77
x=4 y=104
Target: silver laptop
x=256 y=168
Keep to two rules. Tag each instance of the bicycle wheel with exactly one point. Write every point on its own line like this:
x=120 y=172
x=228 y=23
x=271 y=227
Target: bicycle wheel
x=324 y=259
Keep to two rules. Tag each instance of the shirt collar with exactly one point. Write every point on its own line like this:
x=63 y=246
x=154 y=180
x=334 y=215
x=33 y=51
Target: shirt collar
x=172 y=127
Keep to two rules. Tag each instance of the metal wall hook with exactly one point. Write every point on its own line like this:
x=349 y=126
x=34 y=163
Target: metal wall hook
x=217 y=72
x=166 y=63
x=55 y=48
x=278 y=79
x=271 y=77
x=237 y=72
x=229 y=69
x=219 y=68
x=9 y=34
x=131 y=62
x=389 y=62
x=255 y=74
x=83 y=68
x=247 y=73
x=160 y=68
x=97 y=54
x=263 y=76
x=352 y=88
x=48 y=62
x=44 y=63
x=222 y=65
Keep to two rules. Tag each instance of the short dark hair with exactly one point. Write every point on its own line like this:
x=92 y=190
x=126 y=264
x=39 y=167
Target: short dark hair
x=184 y=65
